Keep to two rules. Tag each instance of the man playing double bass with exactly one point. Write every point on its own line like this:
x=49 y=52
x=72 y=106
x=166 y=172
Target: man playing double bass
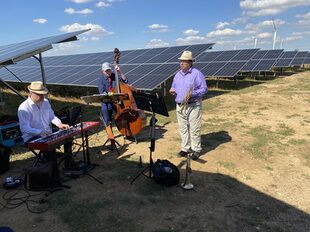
x=106 y=84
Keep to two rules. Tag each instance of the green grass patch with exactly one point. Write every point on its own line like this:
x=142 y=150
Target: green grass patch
x=307 y=158
x=293 y=116
x=263 y=137
x=284 y=130
x=227 y=164
x=297 y=141
x=269 y=168
x=258 y=113
x=210 y=105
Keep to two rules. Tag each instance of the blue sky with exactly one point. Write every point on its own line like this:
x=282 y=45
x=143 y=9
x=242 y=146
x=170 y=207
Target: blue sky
x=134 y=24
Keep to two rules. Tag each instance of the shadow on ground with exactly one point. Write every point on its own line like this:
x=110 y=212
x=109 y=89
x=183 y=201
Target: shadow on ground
x=217 y=203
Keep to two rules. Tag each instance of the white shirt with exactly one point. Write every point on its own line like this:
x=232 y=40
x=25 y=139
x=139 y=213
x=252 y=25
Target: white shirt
x=35 y=120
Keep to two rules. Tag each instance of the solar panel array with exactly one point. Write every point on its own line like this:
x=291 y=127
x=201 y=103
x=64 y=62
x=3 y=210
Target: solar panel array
x=263 y=60
x=224 y=63
x=299 y=58
x=144 y=68
x=148 y=68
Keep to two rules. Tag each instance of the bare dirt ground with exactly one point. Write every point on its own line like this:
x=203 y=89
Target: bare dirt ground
x=254 y=173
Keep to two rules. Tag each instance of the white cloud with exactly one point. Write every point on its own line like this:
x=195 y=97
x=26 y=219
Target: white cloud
x=156 y=43
x=294 y=38
x=191 y=40
x=221 y=25
x=264 y=35
x=304 y=16
x=80 y=1
x=66 y=46
x=94 y=38
x=305 y=19
x=158 y=27
x=268 y=7
x=96 y=30
x=269 y=23
x=102 y=4
x=73 y=11
x=40 y=20
x=190 y=32
x=224 y=32
x=69 y=10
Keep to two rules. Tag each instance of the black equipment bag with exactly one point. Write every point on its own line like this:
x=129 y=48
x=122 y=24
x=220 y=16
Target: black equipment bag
x=165 y=173
x=4 y=159
x=40 y=178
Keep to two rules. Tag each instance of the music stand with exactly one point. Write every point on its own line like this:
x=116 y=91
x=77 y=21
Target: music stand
x=73 y=116
x=155 y=104
x=105 y=97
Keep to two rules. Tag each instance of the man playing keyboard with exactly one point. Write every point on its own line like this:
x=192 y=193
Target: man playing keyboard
x=35 y=117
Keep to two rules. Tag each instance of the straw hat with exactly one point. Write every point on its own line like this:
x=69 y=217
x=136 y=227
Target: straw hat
x=187 y=55
x=106 y=66
x=37 y=87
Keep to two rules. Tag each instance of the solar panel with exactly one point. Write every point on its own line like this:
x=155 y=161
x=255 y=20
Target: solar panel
x=285 y=59
x=211 y=68
x=13 y=53
x=263 y=60
x=245 y=55
x=250 y=65
x=230 y=69
x=307 y=59
x=156 y=77
x=208 y=56
x=299 y=58
x=260 y=54
x=225 y=63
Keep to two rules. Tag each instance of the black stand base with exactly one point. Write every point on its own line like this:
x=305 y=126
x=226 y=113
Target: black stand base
x=148 y=175
x=113 y=145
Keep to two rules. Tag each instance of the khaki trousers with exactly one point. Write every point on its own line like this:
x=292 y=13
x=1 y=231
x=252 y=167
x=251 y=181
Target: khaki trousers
x=189 y=120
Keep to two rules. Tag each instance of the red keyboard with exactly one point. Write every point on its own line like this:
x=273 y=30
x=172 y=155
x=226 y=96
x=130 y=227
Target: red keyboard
x=60 y=137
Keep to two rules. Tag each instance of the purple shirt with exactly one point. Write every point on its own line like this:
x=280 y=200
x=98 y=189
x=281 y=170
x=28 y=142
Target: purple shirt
x=182 y=83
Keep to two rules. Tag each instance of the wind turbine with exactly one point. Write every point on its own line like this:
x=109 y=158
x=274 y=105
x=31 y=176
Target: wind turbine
x=274 y=34
x=282 y=40
x=255 y=42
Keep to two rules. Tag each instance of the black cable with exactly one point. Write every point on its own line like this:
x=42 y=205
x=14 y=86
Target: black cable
x=17 y=197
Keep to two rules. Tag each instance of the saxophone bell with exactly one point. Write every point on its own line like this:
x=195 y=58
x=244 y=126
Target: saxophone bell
x=187 y=185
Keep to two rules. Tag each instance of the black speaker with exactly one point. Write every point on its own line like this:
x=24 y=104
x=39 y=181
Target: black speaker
x=4 y=159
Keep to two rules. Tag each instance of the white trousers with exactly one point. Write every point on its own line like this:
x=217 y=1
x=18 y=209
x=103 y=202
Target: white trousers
x=189 y=119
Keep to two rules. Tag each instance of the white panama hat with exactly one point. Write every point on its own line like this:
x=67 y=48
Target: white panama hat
x=187 y=55
x=37 y=87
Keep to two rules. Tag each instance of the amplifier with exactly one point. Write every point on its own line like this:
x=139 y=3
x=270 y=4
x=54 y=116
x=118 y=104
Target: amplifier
x=10 y=135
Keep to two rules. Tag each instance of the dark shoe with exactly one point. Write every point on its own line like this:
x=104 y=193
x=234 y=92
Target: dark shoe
x=195 y=155
x=183 y=153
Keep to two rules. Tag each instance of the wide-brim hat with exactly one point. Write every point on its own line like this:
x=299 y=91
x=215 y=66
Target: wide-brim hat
x=105 y=66
x=187 y=55
x=37 y=87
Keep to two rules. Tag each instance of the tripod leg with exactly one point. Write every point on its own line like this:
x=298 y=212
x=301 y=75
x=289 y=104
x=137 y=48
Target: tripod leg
x=139 y=174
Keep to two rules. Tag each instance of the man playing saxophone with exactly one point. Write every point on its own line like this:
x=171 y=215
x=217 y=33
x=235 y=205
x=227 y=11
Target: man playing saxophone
x=189 y=86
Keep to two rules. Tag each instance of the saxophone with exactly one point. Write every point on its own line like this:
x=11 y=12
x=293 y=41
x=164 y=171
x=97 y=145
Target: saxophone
x=186 y=99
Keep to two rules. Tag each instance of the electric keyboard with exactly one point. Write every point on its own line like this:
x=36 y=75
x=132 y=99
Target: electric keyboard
x=60 y=137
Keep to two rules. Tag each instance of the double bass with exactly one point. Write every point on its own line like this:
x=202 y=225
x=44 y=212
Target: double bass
x=128 y=118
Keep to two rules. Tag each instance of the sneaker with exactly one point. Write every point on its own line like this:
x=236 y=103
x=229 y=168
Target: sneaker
x=195 y=155
x=183 y=153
